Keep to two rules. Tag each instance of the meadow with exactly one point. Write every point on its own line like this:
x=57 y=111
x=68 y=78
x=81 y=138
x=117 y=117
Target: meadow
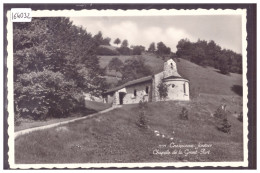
x=115 y=136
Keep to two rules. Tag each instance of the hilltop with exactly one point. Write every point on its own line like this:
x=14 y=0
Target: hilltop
x=202 y=79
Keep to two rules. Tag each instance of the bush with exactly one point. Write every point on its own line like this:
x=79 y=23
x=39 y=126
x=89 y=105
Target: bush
x=222 y=121
x=224 y=69
x=240 y=117
x=224 y=126
x=39 y=95
x=142 y=120
x=143 y=105
x=221 y=112
x=184 y=115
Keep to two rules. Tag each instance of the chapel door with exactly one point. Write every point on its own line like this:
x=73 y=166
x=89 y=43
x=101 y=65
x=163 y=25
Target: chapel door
x=121 y=98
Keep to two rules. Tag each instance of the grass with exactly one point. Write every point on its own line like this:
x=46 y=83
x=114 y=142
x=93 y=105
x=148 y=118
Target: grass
x=115 y=137
x=91 y=107
x=96 y=106
x=208 y=80
x=202 y=79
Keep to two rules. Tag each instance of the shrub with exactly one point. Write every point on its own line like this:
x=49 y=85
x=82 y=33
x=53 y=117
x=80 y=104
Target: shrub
x=143 y=105
x=43 y=94
x=142 y=120
x=221 y=112
x=184 y=115
x=222 y=121
x=224 y=68
x=224 y=126
x=240 y=117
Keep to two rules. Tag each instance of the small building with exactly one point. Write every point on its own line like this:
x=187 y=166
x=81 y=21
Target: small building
x=146 y=88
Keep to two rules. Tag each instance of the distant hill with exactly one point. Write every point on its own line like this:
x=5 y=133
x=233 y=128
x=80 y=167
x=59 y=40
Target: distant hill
x=109 y=47
x=202 y=80
x=150 y=59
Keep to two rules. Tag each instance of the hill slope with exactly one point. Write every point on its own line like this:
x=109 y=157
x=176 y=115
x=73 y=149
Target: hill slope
x=202 y=80
x=209 y=80
x=115 y=137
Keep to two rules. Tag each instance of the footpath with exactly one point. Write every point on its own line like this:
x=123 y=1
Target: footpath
x=26 y=131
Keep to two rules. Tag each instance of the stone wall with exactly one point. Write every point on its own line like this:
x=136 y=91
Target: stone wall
x=178 y=89
x=174 y=93
x=170 y=69
x=140 y=93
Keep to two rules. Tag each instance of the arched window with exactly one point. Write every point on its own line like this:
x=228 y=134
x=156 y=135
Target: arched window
x=184 y=88
x=173 y=85
x=147 y=89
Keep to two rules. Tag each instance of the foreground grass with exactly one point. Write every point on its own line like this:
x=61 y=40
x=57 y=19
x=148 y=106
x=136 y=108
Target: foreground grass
x=115 y=137
x=91 y=107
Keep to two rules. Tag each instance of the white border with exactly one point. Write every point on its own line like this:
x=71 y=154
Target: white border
x=153 y=12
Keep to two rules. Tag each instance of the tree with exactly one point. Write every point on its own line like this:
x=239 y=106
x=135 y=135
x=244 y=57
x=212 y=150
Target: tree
x=124 y=43
x=163 y=90
x=134 y=68
x=98 y=38
x=115 y=64
x=184 y=49
x=209 y=53
x=124 y=49
x=137 y=50
x=117 y=41
x=42 y=94
x=198 y=56
x=162 y=49
x=151 y=47
x=223 y=67
x=55 y=49
x=106 y=41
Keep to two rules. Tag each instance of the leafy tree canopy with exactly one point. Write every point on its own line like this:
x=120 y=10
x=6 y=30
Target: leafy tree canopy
x=117 y=41
x=134 y=68
x=124 y=43
x=162 y=49
x=54 y=49
x=210 y=54
x=151 y=47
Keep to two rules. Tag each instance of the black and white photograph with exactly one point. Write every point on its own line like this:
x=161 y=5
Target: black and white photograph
x=127 y=88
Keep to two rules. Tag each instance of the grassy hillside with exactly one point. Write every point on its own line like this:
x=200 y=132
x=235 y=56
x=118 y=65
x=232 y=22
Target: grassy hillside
x=202 y=80
x=91 y=107
x=115 y=137
x=209 y=80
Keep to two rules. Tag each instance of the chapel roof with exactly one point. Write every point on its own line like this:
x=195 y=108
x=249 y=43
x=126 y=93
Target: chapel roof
x=133 y=82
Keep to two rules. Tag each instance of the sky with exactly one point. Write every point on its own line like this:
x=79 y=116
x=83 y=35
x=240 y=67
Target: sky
x=225 y=30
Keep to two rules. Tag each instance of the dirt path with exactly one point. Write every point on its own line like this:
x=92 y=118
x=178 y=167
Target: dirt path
x=26 y=131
